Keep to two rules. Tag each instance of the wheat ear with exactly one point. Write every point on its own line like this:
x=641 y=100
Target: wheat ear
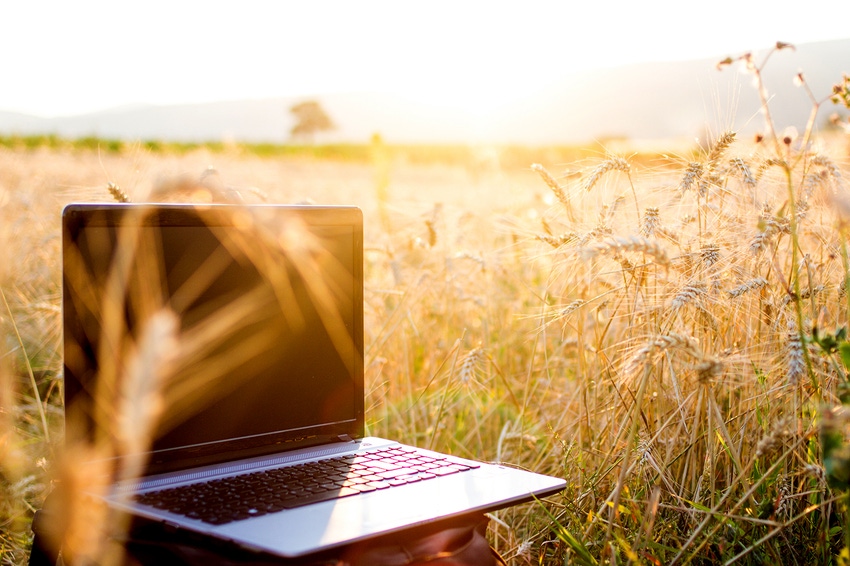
x=116 y=192
x=140 y=398
x=610 y=164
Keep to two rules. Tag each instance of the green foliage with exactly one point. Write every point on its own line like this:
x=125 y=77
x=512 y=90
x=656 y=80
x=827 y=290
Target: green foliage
x=833 y=428
x=836 y=450
x=511 y=157
x=836 y=460
x=831 y=343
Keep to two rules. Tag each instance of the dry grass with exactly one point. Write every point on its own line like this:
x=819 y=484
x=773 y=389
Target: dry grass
x=37 y=184
x=692 y=361
x=641 y=330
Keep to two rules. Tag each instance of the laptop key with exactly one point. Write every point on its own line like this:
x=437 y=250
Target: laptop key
x=444 y=471
x=253 y=494
x=318 y=497
x=388 y=474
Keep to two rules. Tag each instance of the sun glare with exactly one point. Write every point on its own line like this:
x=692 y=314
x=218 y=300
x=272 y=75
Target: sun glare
x=472 y=56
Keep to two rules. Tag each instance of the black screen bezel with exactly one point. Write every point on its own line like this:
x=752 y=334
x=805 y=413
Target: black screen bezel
x=78 y=216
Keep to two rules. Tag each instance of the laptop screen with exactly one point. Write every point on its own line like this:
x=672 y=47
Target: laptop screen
x=225 y=331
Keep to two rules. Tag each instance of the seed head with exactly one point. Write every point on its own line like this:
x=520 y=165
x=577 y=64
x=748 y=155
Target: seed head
x=710 y=254
x=774 y=439
x=741 y=167
x=117 y=193
x=796 y=366
x=829 y=167
x=558 y=241
x=667 y=342
x=751 y=285
x=553 y=184
x=570 y=308
x=719 y=148
x=470 y=365
x=432 y=233
x=689 y=293
x=709 y=369
x=610 y=164
x=650 y=221
x=692 y=175
x=634 y=244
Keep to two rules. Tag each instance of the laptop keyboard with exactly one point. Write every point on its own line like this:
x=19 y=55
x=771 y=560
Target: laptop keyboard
x=254 y=494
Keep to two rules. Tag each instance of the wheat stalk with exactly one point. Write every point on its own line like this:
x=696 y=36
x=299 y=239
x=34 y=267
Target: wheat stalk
x=710 y=176
x=719 y=149
x=693 y=174
x=829 y=166
x=660 y=344
x=84 y=471
x=768 y=163
x=610 y=164
x=770 y=226
x=741 y=167
x=569 y=309
x=781 y=430
x=744 y=288
x=116 y=192
x=140 y=400
x=806 y=293
x=597 y=233
x=558 y=241
x=688 y=294
x=469 y=365
x=636 y=244
x=795 y=362
x=709 y=254
x=556 y=188
x=709 y=369
x=650 y=222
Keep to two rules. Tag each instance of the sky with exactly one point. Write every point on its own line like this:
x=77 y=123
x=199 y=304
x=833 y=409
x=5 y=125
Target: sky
x=64 y=58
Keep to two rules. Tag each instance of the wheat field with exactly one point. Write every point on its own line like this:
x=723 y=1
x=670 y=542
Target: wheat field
x=664 y=330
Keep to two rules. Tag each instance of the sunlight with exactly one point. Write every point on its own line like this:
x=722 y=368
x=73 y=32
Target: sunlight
x=475 y=56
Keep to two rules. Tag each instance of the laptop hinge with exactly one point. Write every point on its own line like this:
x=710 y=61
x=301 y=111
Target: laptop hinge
x=345 y=438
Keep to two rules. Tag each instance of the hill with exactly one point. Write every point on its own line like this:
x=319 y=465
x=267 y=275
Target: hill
x=644 y=101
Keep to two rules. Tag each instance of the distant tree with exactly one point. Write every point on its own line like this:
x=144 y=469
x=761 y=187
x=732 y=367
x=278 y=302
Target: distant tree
x=310 y=119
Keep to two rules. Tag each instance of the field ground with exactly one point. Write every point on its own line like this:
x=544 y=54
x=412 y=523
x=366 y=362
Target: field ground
x=637 y=326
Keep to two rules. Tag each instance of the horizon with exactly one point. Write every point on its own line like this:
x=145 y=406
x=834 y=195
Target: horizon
x=475 y=57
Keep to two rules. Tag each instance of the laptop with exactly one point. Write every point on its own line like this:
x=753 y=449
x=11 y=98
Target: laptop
x=217 y=352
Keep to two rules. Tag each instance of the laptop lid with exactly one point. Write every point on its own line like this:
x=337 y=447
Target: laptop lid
x=267 y=353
